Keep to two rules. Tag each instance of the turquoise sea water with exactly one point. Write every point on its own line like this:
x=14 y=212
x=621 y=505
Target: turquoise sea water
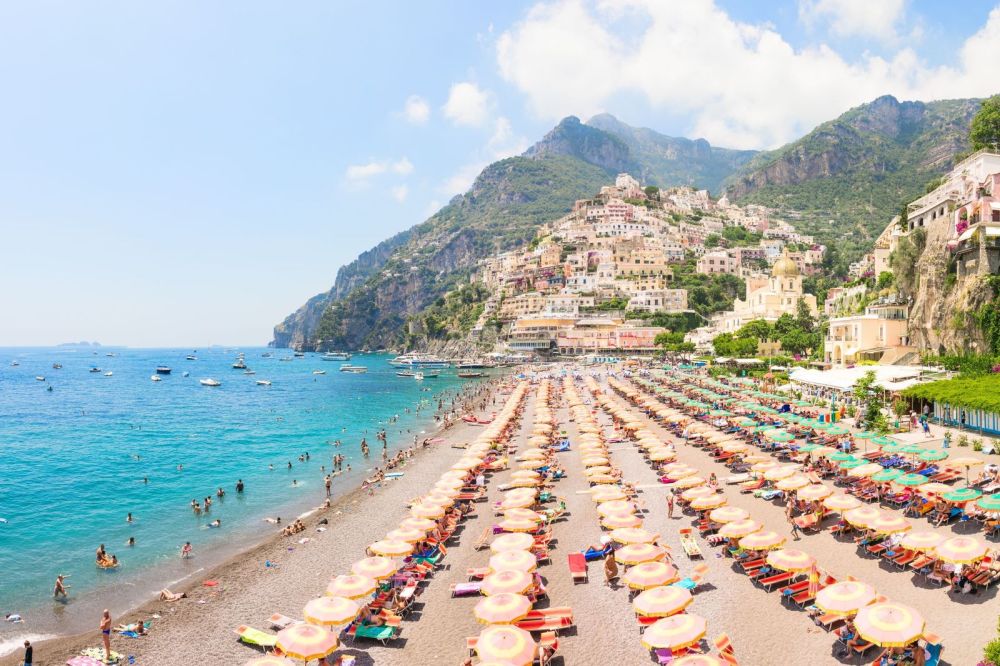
x=74 y=461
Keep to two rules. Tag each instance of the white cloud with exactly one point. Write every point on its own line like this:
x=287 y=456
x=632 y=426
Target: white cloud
x=467 y=105
x=399 y=193
x=743 y=85
x=462 y=180
x=503 y=143
x=849 y=18
x=416 y=110
x=362 y=173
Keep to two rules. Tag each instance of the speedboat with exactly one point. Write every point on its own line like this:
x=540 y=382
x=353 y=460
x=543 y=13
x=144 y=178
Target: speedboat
x=57 y=366
x=210 y=382
x=108 y=373
x=14 y=364
x=39 y=378
x=162 y=370
x=156 y=378
x=95 y=369
x=263 y=382
x=190 y=357
x=470 y=375
x=405 y=373
x=267 y=355
x=240 y=364
x=319 y=372
x=248 y=371
x=336 y=356
x=429 y=375
x=298 y=354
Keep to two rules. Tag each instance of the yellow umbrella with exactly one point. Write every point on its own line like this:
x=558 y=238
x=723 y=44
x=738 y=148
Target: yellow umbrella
x=845 y=597
x=762 y=540
x=841 y=502
x=525 y=483
x=331 y=611
x=518 y=525
x=607 y=494
x=778 y=473
x=506 y=644
x=889 y=624
x=617 y=521
x=603 y=479
x=638 y=553
x=306 y=642
x=523 y=514
x=374 y=567
x=517 y=502
x=961 y=550
x=862 y=516
x=391 y=548
x=650 y=574
x=351 y=587
x=678 y=473
x=502 y=609
x=593 y=471
x=692 y=494
x=791 y=560
x=420 y=524
x=922 y=540
x=740 y=528
x=728 y=514
x=507 y=580
x=619 y=506
x=513 y=541
x=764 y=466
x=866 y=470
x=433 y=511
x=793 y=482
x=710 y=502
x=889 y=524
x=689 y=482
x=813 y=492
x=674 y=632
x=662 y=601
x=595 y=461
x=518 y=560
x=630 y=535
x=525 y=474
x=660 y=455
x=407 y=535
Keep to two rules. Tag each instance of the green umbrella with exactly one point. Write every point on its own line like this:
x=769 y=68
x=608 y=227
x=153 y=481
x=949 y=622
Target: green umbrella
x=851 y=464
x=890 y=474
x=763 y=428
x=865 y=434
x=837 y=430
x=881 y=441
x=892 y=448
x=819 y=425
x=781 y=436
x=962 y=495
x=809 y=448
x=989 y=503
x=720 y=412
x=913 y=448
x=910 y=480
x=746 y=422
x=802 y=403
x=840 y=457
x=933 y=454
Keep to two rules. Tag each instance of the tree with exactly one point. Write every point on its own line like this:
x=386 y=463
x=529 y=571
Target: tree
x=870 y=399
x=796 y=341
x=985 y=129
x=712 y=240
x=803 y=317
x=884 y=280
x=651 y=190
x=785 y=324
x=758 y=329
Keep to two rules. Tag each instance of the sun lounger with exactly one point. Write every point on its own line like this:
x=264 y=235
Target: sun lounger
x=777 y=579
x=553 y=623
x=252 y=636
x=382 y=634
x=830 y=620
x=690 y=546
x=279 y=621
x=477 y=572
x=465 y=589
x=577 y=567
x=553 y=611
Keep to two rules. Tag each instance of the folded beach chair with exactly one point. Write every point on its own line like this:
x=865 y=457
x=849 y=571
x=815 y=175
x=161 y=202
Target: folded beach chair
x=252 y=636
x=577 y=566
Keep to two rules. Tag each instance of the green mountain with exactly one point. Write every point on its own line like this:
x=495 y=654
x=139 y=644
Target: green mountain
x=849 y=176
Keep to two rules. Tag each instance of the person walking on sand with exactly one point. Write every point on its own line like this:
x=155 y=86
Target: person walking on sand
x=670 y=503
x=28 y=653
x=610 y=569
x=106 y=634
x=790 y=516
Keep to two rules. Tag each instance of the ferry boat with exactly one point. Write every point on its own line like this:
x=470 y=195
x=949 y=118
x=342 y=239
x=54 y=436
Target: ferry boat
x=419 y=361
x=160 y=370
x=336 y=356
x=356 y=369
x=210 y=382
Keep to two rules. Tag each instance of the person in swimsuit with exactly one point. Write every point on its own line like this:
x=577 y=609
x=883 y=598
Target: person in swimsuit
x=106 y=634
x=60 y=587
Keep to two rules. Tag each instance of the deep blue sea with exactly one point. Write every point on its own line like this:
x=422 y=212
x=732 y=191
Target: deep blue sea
x=77 y=459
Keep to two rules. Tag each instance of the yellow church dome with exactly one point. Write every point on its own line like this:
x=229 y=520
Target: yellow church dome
x=785 y=267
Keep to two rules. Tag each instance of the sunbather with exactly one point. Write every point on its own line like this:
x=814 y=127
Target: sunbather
x=167 y=595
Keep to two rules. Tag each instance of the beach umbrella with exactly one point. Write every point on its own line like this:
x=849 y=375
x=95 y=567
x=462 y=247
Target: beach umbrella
x=439 y=498
x=449 y=484
x=779 y=473
x=432 y=511
x=865 y=434
x=961 y=550
x=809 y=448
x=881 y=440
x=331 y=611
x=523 y=514
x=922 y=540
x=841 y=457
x=689 y=482
x=507 y=580
x=845 y=597
x=740 y=528
x=814 y=492
x=912 y=449
x=592 y=471
x=728 y=514
x=791 y=560
x=794 y=482
x=617 y=521
x=374 y=567
x=421 y=524
x=837 y=430
x=525 y=483
x=525 y=474
x=662 y=454
x=391 y=548
x=517 y=560
x=890 y=474
x=961 y=495
x=931 y=455
x=407 y=535
x=698 y=660
x=513 y=541
x=594 y=461
x=862 y=516
x=681 y=471
x=517 y=525
x=745 y=422
x=762 y=540
x=691 y=494
x=607 y=494
x=764 y=466
x=633 y=535
x=615 y=507
x=889 y=624
x=603 y=479
x=517 y=502
x=352 y=586
x=713 y=501
x=638 y=553
x=734 y=447
x=506 y=644
x=662 y=601
x=266 y=660
x=893 y=447
x=966 y=462
x=934 y=488
x=910 y=480
x=989 y=503
x=852 y=464
x=306 y=642
x=650 y=574
x=502 y=609
x=674 y=632
x=889 y=524
x=779 y=435
x=466 y=464
x=870 y=469
x=841 y=502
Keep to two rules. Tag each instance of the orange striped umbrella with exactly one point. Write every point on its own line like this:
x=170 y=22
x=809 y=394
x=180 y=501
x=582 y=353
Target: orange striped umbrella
x=267 y=660
x=517 y=525
x=449 y=484
x=306 y=642
x=506 y=644
x=517 y=502
x=595 y=461
x=422 y=510
x=332 y=611
x=728 y=514
x=391 y=548
x=763 y=540
x=525 y=483
x=514 y=541
x=616 y=521
x=791 y=560
x=616 y=507
x=961 y=550
x=377 y=567
x=889 y=524
x=676 y=631
x=638 y=553
x=841 y=502
x=352 y=586
x=740 y=528
x=889 y=624
x=517 y=560
x=689 y=482
x=680 y=472
x=692 y=494
x=525 y=474
x=816 y=491
x=659 y=455
x=629 y=535
x=467 y=463
x=921 y=540
x=603 y=479
x=698 y=660
x=509 y=580
x=794 y=482
x=650 y=574
x=406 y=535
x=502 y=609
x=845 y=597
x=862 y=516
x=594 y=471
x=712 y=501
x=778 y=473
x=607 y=494
x=438 y=499
x=522 y=514
x=662 y=601
x=422 y=524
x=764 y=466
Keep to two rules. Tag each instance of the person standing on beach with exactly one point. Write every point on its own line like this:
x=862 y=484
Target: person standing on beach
x=28 y=653
x=670 y=503
x=106 y=635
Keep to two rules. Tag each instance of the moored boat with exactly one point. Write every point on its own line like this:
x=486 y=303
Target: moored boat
x=160 y=370
x=208 y=381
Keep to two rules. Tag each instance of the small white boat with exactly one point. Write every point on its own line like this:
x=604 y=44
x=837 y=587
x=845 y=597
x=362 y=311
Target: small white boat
x=336 y=356
x=14 y=364
x=185 y=374
x=40 y=378
x=191 y=357
x=263 y=382
x=108 y=373
x=210 y=382
x=319 y=372
x=418 y=376
x=248 y=371
x=156 y=378
x=355 y=369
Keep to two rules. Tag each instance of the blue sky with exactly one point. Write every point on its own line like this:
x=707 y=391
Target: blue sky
x=187 y=173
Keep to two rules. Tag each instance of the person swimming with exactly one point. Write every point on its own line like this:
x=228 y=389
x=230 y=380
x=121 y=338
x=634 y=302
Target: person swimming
x=215 y=523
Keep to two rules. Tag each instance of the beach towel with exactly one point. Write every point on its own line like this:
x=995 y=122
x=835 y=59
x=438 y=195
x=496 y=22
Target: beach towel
x=98 y=653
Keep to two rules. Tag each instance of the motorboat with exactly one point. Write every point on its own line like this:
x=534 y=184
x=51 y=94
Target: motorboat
x=471 y=375
x=405 y=373
x=57 y=366
x=162 y=370
x=240 y=364
x=319 y=372
x=95 y=369
x=336 y=356
x=190 y=357
x=156 y=378
x=298 y=354
x=419 y=361
x=356 y=369
x=418 y=376
x=108 y=373
x=185 y=374
x=267 y=355
x=263 y=382
x=209 y=382
x=430 y=375
x=248 y=371
x=473 y=365
x=285 y=358
x=39 y=378
x=14 y=364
